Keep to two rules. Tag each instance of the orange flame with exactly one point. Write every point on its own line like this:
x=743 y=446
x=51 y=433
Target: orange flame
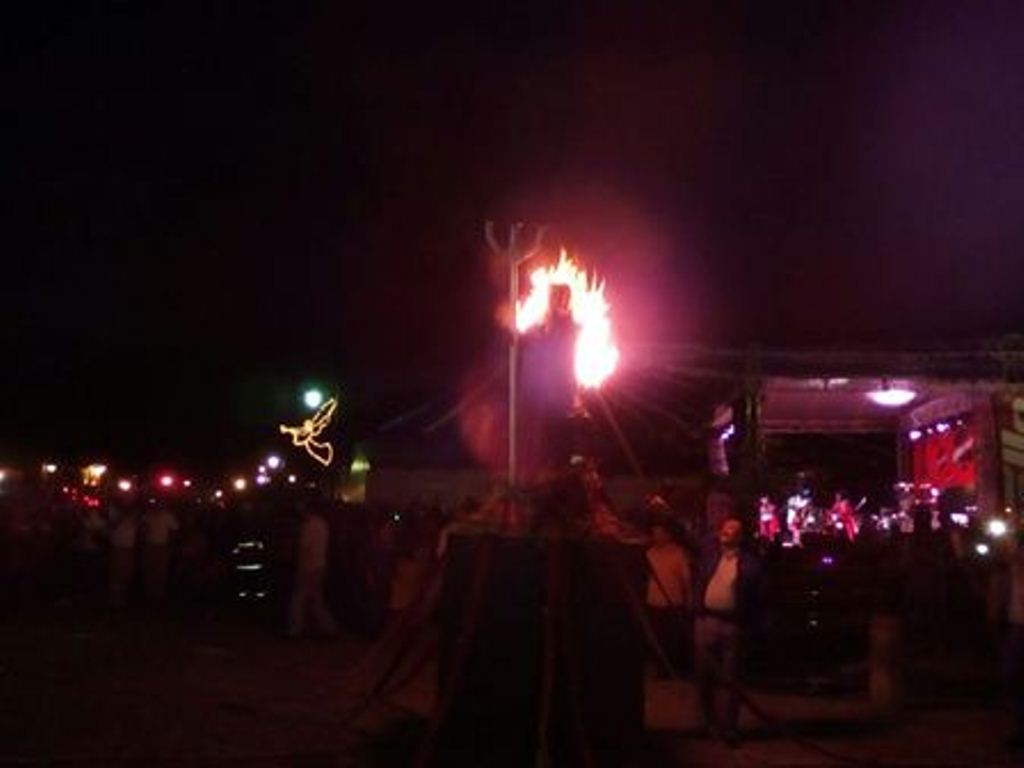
x=596 y=353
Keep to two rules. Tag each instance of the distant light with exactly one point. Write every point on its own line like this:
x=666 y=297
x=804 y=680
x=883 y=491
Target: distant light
x=124 y=484
x=981 y=548
x=997 y=528
x=274 y=461
x=292 y=479
x=728 y=432
x=943 y=427
x=218 y=494
x=166 y=481
x=49 y=469
x=249 y=567
x=892 y=397
x=187 y=483
x=313 y=398
x=262 y=479
x=827 y=560
x=3 y=475
x=239 y=484
x=92 y=475
x=960 y=518
x=915 y=435
x=261 y=469
x=360 y=465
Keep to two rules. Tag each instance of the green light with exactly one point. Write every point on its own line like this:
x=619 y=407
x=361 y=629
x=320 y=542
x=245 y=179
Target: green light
x=313 y=398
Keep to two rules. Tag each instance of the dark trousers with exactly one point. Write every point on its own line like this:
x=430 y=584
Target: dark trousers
x=717 y=646
x=673 y=629
x=1014 y=675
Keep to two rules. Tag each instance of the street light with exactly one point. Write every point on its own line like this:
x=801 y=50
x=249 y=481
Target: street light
x=313 y=398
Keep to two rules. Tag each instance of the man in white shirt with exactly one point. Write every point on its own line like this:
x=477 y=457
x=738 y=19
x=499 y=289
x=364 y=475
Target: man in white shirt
x=728 y=590
x=668 y=592
x=307 y=601
x=160 y=526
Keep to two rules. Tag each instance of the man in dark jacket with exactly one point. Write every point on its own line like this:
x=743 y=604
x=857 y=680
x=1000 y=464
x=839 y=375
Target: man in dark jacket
x=728 y=591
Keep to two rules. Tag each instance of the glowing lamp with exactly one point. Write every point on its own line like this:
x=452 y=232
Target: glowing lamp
x=92 y=475
x=239 y=484
x=997 y=528
x=313 y=398
x=891 y=397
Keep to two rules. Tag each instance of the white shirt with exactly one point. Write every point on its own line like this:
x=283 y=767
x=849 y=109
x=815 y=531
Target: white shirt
x=721 y=592
x=672 y=568
x=313 y=537
x=159 y=525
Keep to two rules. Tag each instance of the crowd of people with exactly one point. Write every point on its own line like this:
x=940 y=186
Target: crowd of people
x=315 y=566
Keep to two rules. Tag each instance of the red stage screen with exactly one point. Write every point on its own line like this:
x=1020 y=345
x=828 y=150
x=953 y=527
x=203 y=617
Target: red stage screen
x=947 y=459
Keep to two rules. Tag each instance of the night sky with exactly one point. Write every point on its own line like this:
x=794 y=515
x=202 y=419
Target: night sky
x=210 y=204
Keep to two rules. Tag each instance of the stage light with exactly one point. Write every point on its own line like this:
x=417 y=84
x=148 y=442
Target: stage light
x=313 y=398
x=997 y=528
x=891 y=397
x=239 y=484
x=274 y=461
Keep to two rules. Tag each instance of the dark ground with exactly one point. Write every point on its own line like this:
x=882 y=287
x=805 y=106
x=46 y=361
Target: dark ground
x=82 y=689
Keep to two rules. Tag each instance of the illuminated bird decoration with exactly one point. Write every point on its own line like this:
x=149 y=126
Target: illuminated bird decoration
x=305 y=435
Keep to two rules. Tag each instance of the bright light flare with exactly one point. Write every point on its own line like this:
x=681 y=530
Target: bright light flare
x=596 y=356
x=892 y=397
x=49 y=469
x=166 y=481
x=313 y=398
x=274 y=461
x=981 y=548
x=997 y=528
x=239 y=484
x=124 y=485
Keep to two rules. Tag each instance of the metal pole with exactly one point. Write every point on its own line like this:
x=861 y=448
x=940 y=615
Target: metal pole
x=514 y=257
x=513 y=356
